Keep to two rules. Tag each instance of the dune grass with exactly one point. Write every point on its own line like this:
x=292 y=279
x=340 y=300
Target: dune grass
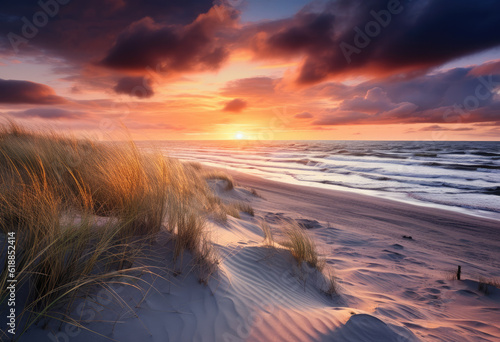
x=255 y=193
x=486 y=285
x=331 y=288
x=219 y=175
x=301 y=246
x=234 y=209
x=83 y=212
x=305 y=252
x=268 y=235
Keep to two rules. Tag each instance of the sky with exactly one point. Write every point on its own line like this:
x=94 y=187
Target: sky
x=253 y=69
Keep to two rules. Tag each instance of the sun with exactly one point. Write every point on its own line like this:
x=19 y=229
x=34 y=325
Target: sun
x=239 y=136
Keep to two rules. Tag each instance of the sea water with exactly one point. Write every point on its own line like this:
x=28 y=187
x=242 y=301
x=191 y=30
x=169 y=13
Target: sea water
x=462 y=176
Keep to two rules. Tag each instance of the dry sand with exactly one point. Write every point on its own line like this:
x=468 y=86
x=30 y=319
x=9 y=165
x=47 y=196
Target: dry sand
x=390 y=288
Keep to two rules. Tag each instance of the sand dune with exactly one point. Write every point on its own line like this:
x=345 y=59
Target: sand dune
x=390 y=288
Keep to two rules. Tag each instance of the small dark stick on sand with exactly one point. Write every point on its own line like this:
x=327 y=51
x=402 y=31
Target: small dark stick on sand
x=458 y=272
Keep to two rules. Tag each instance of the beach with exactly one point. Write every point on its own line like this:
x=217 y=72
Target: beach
x=373 y=215
x=399 y=278
x=389 y=288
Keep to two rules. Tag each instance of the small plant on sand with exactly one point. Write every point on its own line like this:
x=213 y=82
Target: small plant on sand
x=451 y=275
x=243 y=207
x=486 y=286
x=220 y=211
x=301 y=246
x=268 y=235
x=331 y=286
x=207 y=259
x=304 y=251
x=219 y=175
x=255 y=193
x=189 y=231
x=219 y=214
x=231 y=210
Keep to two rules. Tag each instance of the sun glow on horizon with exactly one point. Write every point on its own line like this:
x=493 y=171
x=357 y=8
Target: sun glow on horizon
x=239 y=136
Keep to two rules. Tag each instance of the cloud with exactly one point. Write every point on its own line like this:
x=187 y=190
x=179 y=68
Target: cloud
x=49 y=113
x=343 y=118
x=195 y=47
x=488 y=124
x=81 y=33
x=303 y=115
x=236 y=106
x=26 y=92
x=94 y=23
x=387 y=37
x=488 y=68
x=452 y=96
x=436 y=128
x=371 y=108
x=250 y=87
x=134 y=86
x=375 y=100
x=154 y=126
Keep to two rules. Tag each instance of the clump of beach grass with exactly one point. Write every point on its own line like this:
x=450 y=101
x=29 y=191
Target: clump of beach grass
x=206 y=259
x=255 y=193
x=301 y=246
x=331 y=284
x=219 y=175
x=83 y=212
x=268 y=235
x=305 y=252
x=241 y=207
x=486 y=285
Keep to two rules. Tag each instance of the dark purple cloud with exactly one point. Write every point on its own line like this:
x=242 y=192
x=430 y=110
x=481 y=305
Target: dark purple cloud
x=25 y=92
x=452 y=96
x=235 y=106
x=83 y=30
x=194 y=47
x=447 y=88
x=379 y=37
x=184 y=35
x=134 y=86
x=337 y=117
x=375 y=100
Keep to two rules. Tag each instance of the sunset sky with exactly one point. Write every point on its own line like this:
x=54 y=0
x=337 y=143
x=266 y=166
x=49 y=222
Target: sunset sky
x=254 y=69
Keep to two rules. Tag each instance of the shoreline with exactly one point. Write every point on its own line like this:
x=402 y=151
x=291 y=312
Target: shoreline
x=370 y=214
x=471 y=212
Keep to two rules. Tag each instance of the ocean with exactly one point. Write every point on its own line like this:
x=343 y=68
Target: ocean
x=459 y=175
